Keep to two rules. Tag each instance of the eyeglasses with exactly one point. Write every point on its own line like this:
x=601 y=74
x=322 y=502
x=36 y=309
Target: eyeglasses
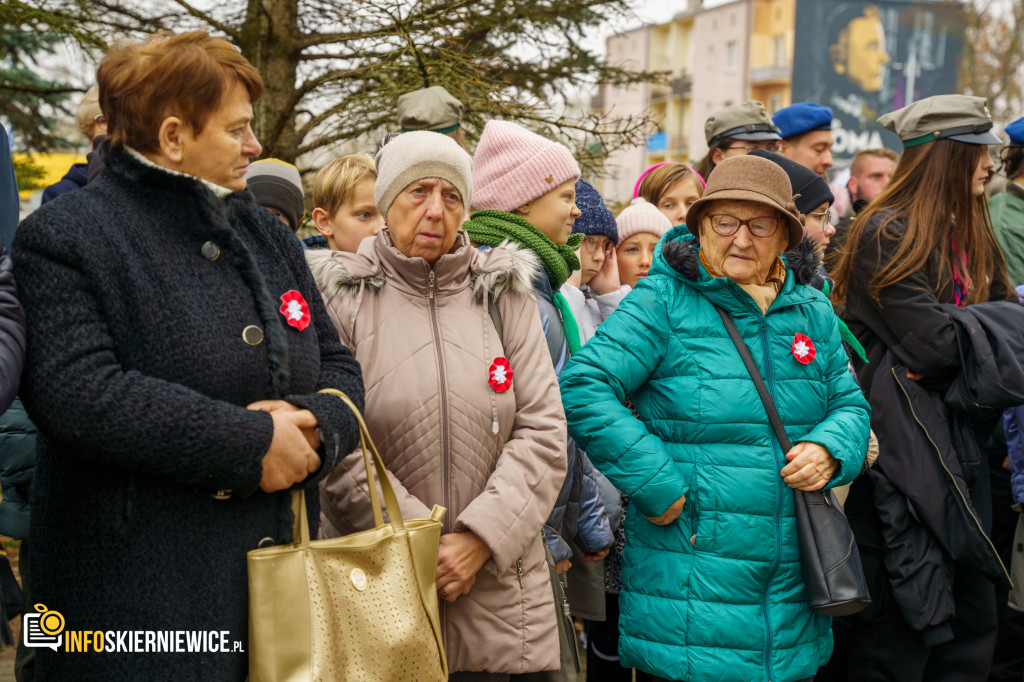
x=594 y=244
x=749 y=148
x=825 y=216
x=762 y=226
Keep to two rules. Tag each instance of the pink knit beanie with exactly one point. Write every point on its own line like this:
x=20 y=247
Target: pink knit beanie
x=513 y=166
x=641 y=216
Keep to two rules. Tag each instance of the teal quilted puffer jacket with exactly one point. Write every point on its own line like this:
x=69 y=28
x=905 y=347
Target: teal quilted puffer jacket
x=718 y=594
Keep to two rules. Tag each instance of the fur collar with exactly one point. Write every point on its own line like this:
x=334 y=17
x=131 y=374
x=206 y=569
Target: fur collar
x=802 y=262
x=497 y=271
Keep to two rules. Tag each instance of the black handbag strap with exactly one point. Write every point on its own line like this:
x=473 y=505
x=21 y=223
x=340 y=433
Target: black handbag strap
x=755 y=374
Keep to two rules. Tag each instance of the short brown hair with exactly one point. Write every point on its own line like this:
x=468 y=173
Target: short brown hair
x=185 y=75
x=881 y=152
x=336 y=181
x=665 y=177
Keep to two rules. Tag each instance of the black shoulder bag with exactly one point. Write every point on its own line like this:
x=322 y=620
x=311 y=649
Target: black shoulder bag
x=834 y=579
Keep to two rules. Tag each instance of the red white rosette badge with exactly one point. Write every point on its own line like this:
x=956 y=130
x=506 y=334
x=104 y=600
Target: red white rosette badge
x=499 y=376
x=803 y=349
x=295 y=309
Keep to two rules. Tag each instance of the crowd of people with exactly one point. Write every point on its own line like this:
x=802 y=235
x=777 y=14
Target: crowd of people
x=560 y=378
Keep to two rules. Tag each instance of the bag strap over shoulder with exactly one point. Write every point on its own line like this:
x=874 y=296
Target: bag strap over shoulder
x=755 y=374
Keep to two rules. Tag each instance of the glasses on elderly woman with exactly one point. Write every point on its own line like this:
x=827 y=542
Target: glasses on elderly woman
x=594 y=244
x=762 y=226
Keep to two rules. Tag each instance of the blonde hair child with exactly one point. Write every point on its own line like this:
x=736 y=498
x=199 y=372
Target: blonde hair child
x=345 y=213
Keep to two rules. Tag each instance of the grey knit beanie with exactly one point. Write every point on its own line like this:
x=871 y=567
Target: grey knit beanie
x=277 y=183
x=416 y=155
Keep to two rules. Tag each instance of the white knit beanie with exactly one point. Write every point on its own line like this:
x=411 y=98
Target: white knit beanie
x=416 y=155
x=641 y=216
x=513 y=166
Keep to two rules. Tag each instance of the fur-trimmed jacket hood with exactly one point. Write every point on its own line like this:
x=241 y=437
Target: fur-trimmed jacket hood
x=456 y=427
x=802 y=262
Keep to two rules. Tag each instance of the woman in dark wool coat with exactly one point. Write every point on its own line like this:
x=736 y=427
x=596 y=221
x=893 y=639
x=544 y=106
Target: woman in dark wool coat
x=176 y=344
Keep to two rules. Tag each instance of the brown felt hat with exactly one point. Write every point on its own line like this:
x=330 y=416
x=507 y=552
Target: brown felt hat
x=750 y=178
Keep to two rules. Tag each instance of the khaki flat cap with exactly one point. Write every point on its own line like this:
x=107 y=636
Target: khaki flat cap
x=431 y=108
x=744 y=121
x=956 y=117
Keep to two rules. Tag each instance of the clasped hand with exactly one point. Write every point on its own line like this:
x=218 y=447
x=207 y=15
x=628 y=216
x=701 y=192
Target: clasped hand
x=292 y=455
x=459 y=558
x=810 y=467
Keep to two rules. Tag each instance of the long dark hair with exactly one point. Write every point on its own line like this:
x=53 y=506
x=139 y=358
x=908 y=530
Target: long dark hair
x=931 y=196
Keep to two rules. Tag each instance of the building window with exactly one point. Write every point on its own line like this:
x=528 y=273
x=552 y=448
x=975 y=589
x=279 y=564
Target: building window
x=779 y=50
x=774 y=103
x=732 y=50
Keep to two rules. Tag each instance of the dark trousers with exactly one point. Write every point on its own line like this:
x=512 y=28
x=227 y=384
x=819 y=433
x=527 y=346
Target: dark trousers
x=884 y=648
x=603 y=648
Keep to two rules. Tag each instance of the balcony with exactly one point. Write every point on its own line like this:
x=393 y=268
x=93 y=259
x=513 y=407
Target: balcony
x=675 y=87
x=767 y=75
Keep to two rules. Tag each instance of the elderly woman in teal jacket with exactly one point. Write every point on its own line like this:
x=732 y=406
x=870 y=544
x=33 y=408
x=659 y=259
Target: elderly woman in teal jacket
x=712 y=588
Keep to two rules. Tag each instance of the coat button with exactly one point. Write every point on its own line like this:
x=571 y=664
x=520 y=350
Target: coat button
x=252 y=335
x=210 y=251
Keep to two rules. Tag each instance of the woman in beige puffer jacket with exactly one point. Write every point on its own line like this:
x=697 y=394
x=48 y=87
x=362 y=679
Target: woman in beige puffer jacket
x=426 y=329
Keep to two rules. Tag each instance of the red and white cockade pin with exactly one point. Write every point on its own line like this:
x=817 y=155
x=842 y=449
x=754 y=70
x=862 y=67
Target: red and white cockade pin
x=295 y=309
x=499 y=376
x=803 y=349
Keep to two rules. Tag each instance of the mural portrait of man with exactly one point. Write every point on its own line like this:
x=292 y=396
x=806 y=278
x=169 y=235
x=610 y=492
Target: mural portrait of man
x=860 y=51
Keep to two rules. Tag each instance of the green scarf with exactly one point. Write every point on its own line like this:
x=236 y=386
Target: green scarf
x=491 y=228
x=845 y=332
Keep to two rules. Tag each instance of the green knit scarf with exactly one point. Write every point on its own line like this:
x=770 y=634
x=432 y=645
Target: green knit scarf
x=491 y=228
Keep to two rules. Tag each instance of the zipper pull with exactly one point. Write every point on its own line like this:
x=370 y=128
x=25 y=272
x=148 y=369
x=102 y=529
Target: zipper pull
x=566 y=611
x=519 y=571
x=430 y=282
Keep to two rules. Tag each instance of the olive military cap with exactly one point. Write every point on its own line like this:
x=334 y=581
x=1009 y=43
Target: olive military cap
x=956 y=117
x=744 y=121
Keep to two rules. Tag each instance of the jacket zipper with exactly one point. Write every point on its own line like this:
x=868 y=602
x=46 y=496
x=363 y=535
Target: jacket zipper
x=949 y=473
x=447 y=491
x=778 y=510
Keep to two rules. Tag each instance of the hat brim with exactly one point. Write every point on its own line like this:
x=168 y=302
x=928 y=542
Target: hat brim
x=794 y=228
x=756 y=136
x=987 y=137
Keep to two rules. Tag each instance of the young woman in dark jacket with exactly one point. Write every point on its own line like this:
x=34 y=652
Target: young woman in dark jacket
x=924 y=242
x=176 y=347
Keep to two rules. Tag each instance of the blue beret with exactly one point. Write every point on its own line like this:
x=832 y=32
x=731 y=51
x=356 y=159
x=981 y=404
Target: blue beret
x=801 y=118
x=1016 y=132
x=595 y=218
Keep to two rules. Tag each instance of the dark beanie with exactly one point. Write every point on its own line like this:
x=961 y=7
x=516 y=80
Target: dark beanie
x=595 y=218
x=277 y=183
x=811 y=187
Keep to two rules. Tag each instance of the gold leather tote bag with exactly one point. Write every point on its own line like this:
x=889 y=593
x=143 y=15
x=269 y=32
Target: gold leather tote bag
x=362 y=607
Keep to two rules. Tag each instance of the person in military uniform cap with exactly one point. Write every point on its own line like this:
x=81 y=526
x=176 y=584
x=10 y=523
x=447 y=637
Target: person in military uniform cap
x=737 y=130
x=432 y=109
x=806 y=130
x=1007 y=208
x=920 y=250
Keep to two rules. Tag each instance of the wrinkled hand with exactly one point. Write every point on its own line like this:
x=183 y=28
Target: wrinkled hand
x=810 y=467
x=290 y=458
x=598 y=555
x=607 y=278
x=312 y=435
x=459 y=559
x=563 y=566
x=670 y=514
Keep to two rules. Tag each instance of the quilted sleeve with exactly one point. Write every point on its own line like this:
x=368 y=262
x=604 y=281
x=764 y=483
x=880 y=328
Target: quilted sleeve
x=520 y=492
x=627 y=349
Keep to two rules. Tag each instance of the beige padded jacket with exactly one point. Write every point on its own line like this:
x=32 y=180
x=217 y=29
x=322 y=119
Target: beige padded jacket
x=426 y=340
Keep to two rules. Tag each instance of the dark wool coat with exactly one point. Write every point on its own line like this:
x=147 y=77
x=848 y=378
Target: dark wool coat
x=137 y=289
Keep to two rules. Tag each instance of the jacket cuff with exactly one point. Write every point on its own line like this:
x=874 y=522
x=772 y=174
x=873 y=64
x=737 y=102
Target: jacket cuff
x=936 y=634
